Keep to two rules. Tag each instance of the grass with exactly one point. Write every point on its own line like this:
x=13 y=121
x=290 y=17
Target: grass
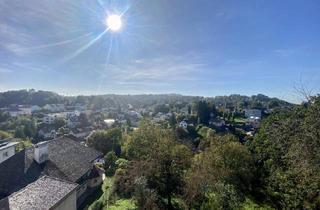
x=122 y=204
x=239 y=120
x=204 y=131
x=104 y=199
x=108 y=202
x=251 y=205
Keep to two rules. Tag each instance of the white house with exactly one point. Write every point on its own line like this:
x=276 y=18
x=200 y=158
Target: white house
x=26 y=110
x=80 y=107
x=130 y=106
x=183 y=124
x=73 y=115
x=217 y=122
x=35 y=108
x=7 y=149
x=109 y=122
x=19 y=112
x=48 y=107
x=253 y=113
x=50 y=118
x=54 y=107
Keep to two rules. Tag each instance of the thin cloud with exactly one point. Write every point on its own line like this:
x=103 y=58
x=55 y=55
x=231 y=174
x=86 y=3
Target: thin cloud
x=30 y=67
x=160 y=70
x=5 y=70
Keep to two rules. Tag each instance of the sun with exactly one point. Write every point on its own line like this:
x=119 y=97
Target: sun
x=114 y=22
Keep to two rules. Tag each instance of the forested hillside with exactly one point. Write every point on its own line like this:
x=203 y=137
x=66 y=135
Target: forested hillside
x=29 y=97
x=40 y=98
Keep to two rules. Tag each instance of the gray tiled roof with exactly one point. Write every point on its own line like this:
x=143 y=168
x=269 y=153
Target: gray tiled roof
x=72 y=159
x=68 y=160
x=41 y=194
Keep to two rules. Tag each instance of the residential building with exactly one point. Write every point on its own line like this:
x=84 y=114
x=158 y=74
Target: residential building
x=44 y=193
x=130 y=107
x=49 y=134
x=25 y=109
x=14 y=112
x=50 y=118
x=54 y=107
x=109 y=122
x=217 y=122
x=61 y=158
x=35 y=108
x=7 y=149
x=253 y=113
x=183 y=124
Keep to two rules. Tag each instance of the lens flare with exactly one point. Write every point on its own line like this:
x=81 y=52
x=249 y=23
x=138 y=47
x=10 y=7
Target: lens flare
x=114 y=22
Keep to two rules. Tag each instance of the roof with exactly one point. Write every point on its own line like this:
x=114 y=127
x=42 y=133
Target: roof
x=44 y=193
x=68 y=160
x=6 y=145
x=71 y=158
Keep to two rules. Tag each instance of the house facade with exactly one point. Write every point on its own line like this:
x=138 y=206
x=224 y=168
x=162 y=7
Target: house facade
x=7 y=150
x=253 y=113
x=183 y=124
x=54 y=107
x=61 y=158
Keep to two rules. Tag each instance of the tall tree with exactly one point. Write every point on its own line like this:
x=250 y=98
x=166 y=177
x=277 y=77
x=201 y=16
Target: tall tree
x=19 y=133
x=160 y=158
x=203 y=112
x=106 y=141
x=221 y=172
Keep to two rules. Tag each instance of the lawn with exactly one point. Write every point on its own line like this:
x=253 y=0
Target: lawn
x=105 y=202
x=239 y=120
x=122 y=204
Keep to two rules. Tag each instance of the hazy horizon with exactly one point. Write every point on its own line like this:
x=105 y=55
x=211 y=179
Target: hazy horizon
x=299 y=98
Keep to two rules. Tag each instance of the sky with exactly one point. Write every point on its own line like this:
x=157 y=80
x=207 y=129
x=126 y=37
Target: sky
x=190 y=47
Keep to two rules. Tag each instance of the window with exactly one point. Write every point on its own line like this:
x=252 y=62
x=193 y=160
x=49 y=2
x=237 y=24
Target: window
x=5 y=154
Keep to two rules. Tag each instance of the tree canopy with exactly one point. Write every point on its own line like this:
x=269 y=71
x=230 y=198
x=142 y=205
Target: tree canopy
x=105 y=141
x=286 y=150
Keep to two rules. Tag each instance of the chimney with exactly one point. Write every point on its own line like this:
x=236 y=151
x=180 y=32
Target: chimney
x=41 y=152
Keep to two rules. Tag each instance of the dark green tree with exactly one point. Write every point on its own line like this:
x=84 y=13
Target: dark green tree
x=105 y=141
x=203 y=112
x=220 y=176
x=160 y=158
x=286 y=151
x=19 y=133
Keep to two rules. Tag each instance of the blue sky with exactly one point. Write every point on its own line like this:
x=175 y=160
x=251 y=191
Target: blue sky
x=192 y=47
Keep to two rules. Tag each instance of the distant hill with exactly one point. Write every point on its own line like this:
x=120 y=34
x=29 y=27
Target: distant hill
x=32 y=97
x=29 y=97
x=259 y=101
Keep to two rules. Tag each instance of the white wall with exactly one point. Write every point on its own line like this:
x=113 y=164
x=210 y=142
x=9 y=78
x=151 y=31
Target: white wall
x=6 y=153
